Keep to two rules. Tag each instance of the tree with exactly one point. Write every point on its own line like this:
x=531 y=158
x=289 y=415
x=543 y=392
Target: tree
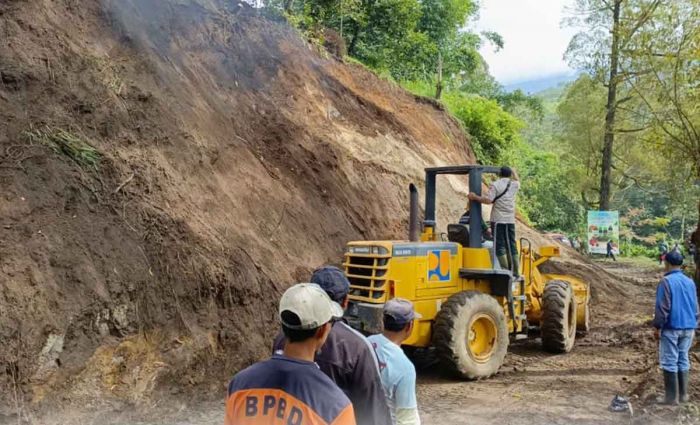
x=610 y=108
x=494 y=132
x=668 y=52
x=547 y=199
x=579 y=131
x=609 y=26
x=442 y=22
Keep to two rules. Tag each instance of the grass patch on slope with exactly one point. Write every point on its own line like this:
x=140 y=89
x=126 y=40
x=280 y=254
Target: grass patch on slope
x=68 y=144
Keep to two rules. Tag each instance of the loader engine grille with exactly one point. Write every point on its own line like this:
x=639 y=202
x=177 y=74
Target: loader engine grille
x=366 y=268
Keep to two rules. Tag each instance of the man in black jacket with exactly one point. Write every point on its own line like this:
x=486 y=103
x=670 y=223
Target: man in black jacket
x=348 y=358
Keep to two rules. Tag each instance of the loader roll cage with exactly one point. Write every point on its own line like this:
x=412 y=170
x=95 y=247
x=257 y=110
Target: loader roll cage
x=475 y=173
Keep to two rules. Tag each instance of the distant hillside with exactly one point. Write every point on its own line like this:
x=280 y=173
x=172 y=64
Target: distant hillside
x=552 y=96
x=541 y=84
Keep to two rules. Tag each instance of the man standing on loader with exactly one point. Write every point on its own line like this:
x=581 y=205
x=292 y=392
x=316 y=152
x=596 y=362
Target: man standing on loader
x=502 y=194
x=675 y=320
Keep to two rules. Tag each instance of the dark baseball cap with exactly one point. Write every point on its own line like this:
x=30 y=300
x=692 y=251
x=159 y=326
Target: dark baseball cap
x=401 y=310
x=332 y=280
x=674 y=258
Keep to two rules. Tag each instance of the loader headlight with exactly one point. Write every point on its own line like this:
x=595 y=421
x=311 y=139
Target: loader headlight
x=359 y=250
x=367 y=250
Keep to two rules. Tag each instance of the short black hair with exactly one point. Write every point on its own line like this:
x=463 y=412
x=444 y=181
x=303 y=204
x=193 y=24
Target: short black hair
x=506 y=172
x=391 y=325
x=295 y=335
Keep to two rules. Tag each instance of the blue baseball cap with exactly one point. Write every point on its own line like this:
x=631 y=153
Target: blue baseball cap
x=401 y=310
x=674 y=258
x=332 y=280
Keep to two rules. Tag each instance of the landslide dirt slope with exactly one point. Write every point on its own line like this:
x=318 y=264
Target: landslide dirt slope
x=233 y=158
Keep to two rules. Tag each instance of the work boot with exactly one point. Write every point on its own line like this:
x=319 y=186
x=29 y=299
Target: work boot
x=670 y=389
x=683 y=386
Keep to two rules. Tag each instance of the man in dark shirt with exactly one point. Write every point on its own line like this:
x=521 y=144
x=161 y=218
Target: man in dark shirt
x=348 y=358
x=609 y=251
x=289 y=388
x=675 y=321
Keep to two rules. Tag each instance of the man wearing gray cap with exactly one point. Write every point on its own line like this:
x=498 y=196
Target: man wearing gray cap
x=347 y=357
x=675 y=320
x=289 y=388
x=397 y=372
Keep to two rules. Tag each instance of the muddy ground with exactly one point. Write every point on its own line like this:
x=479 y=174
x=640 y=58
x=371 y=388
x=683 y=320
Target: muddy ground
x=618 y=356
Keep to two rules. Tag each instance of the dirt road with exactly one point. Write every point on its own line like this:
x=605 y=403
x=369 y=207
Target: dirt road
x=536 y=387
x=618 y=356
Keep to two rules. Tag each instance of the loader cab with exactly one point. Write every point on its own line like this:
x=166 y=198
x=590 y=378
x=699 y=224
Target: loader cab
x=469 y=236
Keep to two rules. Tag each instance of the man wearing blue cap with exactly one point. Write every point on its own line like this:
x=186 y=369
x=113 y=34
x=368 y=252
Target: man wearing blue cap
x=289 y=388
x=347 y=357
x=675 y=320
x=397 y=372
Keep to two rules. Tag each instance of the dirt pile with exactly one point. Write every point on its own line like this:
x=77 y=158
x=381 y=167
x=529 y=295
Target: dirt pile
x=168 y=168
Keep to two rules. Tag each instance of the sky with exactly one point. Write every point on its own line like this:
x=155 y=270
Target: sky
x=534 y=41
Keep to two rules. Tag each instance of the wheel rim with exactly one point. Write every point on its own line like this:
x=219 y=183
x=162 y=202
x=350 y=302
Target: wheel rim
x=481 y=337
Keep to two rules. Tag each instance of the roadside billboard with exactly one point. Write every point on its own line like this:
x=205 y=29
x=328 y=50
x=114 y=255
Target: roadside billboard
x=603 y=226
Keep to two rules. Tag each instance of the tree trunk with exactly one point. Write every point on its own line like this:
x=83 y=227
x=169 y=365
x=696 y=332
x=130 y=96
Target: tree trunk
x=606 y=171
x=288 y=5
x=438 y=86
x=353 y=39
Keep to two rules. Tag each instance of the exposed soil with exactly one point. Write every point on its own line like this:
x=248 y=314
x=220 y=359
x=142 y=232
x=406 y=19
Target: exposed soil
x=232 y=159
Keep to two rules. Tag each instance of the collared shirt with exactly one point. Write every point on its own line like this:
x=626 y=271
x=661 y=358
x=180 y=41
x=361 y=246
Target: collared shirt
x=503 y=210
x=676 y=302
x=282 y=390
x=398 y=377
x=349 y=360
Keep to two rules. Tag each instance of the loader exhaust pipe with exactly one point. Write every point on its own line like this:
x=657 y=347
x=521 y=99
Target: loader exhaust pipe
x=413 y=220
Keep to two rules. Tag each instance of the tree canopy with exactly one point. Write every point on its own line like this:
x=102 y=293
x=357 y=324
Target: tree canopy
x=623 y=135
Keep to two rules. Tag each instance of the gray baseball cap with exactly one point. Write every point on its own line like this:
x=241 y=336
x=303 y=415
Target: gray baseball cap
x=401 y=310
x=310 y=304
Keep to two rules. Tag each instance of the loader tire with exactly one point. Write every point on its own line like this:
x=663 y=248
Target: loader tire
x=558 y=317
x=470 y=335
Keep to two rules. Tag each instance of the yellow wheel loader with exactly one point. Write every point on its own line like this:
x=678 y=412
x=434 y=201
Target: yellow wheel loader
x=471 y=308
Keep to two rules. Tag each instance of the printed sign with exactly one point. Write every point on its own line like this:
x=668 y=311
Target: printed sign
x=603 y=227
x=438 y=265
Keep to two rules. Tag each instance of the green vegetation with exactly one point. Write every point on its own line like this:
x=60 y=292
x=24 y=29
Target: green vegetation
x=66 y=143
x=623 y=136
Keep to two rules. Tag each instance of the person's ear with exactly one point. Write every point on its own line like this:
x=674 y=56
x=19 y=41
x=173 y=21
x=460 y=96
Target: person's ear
x=322 y=332
x=345 y=302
